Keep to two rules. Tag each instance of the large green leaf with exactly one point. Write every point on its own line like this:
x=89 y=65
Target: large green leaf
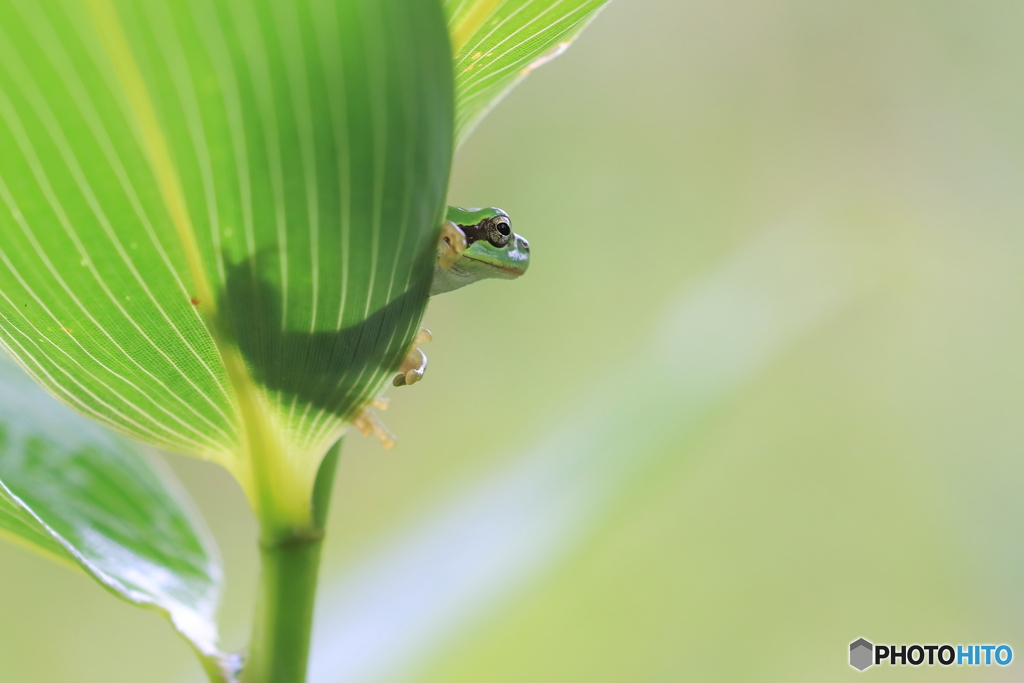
x=497 y=43
x=80 y=494
x=219 y=216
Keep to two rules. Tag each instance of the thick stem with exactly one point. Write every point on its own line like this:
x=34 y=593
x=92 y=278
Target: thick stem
x=284 y=614
x=279 y=649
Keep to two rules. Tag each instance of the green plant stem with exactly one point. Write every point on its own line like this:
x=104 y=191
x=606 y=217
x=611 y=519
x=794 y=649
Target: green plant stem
x=282 y=624
x=284 y=613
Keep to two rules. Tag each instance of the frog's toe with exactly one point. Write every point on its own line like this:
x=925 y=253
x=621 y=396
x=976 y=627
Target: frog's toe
x=412 y=369
x=415 y=360
x=368 y=423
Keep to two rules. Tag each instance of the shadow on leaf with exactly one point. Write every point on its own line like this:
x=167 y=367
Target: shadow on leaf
x=333 y=370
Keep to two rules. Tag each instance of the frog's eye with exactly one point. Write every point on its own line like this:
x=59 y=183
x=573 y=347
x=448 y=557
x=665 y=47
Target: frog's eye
x=499 y=231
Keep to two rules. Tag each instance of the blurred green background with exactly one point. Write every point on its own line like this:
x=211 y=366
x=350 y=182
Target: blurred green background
x=759 y=395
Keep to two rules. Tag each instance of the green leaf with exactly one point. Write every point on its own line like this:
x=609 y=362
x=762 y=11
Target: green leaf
x=87 y=498
x=497 y=43
x=219 y=217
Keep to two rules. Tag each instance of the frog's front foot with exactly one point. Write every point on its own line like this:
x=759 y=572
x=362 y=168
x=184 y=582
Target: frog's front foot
x=450 y=245
x=415 y=363
x=368 y=423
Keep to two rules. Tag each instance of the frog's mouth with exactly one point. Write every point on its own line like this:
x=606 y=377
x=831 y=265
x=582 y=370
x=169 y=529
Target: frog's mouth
x=506 y=269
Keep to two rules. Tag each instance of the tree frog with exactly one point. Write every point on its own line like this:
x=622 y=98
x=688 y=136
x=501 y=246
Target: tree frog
x=475 y=244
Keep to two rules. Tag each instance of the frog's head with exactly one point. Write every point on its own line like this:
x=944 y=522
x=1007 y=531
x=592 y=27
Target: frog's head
x=493 y=250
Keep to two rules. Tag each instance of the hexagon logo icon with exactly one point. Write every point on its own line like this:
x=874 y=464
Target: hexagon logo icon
x=861 y=654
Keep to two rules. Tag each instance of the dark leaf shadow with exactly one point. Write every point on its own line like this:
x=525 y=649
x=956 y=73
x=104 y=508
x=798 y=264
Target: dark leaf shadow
x=331 y=370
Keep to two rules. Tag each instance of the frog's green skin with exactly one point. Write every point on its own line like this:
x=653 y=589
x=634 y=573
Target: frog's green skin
x=490 y=250
x=494 y=251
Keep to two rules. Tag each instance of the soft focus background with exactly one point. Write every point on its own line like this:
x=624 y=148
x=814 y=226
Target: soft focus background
x=760 y=394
